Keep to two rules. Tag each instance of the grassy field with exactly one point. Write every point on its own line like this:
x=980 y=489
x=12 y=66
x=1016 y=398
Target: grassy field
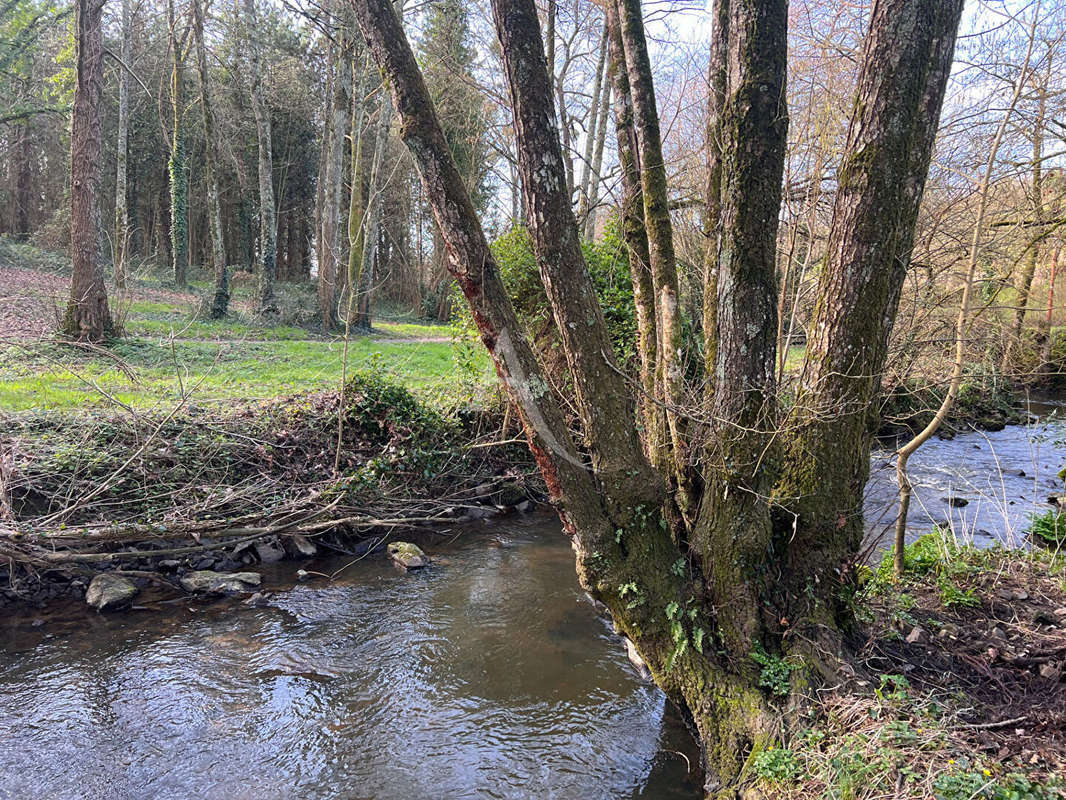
x=171 y=353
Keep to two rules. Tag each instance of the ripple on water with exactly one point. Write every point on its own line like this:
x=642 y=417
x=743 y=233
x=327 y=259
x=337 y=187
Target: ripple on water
x=490 y=677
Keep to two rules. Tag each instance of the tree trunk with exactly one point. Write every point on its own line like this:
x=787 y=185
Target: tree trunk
x=751 y=132
x=372 y=223
x=87 y=316
x=597 y=162
x=906 y=61
x=220 y=302
x=268 y=223
x=329 y=246
x=122 y=217
x=669 y=370
x=635 y=235
x=584 y=207
x=1025 y=280
x=24 y=203
x=179 y=168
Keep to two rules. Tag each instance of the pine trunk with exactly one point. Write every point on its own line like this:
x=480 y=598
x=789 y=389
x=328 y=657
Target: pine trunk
x=87 y=316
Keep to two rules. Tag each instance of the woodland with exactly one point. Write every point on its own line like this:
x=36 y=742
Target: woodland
x=295 y=274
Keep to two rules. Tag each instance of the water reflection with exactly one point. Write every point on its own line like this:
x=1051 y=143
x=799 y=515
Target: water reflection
x=488 y=676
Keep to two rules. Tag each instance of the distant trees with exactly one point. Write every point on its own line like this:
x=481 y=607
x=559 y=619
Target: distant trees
x=448 y=62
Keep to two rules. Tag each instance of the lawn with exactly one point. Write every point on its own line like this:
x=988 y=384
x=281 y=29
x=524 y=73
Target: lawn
x=146 y=373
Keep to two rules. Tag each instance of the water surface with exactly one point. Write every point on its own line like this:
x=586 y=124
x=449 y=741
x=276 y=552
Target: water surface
x=489 y=675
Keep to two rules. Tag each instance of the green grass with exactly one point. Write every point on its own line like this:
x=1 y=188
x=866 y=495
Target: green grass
x=50 y=376
x=412 y=330
x=181 y=327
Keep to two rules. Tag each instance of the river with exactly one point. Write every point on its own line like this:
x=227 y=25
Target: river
x=488 y=675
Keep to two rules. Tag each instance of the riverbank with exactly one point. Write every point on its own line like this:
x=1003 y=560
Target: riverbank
x=153 y=498
x=957 y=692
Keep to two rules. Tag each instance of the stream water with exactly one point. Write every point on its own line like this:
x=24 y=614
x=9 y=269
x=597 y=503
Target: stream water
x=488 y=675
x=982 y=486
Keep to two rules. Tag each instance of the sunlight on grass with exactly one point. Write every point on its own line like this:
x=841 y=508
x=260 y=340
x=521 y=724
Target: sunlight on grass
x=55 y=377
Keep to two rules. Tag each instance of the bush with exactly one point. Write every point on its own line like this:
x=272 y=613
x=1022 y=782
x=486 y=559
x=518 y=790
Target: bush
x=608 y=266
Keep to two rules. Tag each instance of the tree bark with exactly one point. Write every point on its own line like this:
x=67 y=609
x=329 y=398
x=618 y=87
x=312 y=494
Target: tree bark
x=268 y=223
x=670 y=379
x=329 y=246
x=87 y=316
x=591 y=131
x=179 y=168
x=122 y=217
x=220 y=302
x=597 y=161
x=635 y=235
x=751 y=130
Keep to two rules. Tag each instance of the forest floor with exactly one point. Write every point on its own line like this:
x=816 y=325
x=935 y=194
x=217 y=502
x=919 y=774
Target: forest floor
x=958 y=690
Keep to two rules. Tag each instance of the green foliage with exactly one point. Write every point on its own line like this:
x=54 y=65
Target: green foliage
x=981 y=785
x=936 y=557
x=775 y=764
x=608 y=267
x=776 y=673
x=1048 y=528
x=632 y=590
x=951 y=596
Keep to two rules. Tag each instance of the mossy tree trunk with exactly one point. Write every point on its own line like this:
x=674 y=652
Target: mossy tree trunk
x=87 y=316
x=669 y=377
x=122 y=217
x=178 y=166
x=765 y=568
x=220 y=301
x=635 y=235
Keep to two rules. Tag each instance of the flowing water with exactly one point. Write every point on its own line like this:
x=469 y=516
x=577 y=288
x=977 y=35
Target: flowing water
x=488 y=675
x=982 y=486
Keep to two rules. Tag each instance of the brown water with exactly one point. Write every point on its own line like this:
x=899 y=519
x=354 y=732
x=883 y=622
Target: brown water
x=489 y=675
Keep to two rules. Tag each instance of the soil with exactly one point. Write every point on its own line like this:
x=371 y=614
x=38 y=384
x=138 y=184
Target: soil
x=1007 y=656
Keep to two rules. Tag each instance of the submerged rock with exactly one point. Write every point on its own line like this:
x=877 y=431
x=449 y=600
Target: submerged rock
x=220 y=582
x=407 y=555
x=109 y=590
x=637 y=661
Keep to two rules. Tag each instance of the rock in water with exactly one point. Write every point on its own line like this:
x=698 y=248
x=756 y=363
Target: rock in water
x=109 y=590
x=220 y=582
x=303 y=545
x=407 y=555
x=269 y=552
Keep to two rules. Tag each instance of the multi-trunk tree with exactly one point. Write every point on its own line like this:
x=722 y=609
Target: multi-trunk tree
x=736 y=534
